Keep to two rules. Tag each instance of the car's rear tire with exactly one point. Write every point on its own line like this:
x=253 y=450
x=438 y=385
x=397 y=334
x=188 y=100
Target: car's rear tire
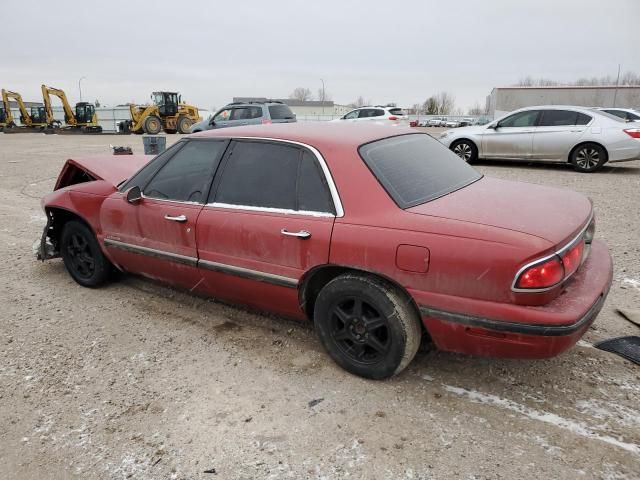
x=588 y=157
x=367 y=326
x=82 y=256
x=465 y=149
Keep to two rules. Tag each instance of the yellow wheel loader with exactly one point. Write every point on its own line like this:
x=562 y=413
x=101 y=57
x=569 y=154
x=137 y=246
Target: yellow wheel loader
x=167 y=112
x=83 y=120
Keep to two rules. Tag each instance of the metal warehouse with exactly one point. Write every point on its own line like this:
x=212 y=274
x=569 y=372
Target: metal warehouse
x=503 y=100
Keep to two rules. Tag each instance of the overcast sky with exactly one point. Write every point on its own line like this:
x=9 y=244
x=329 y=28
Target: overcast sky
x=401 y=51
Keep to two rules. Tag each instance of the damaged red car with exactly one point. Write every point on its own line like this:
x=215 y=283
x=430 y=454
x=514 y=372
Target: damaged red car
x=380 y=236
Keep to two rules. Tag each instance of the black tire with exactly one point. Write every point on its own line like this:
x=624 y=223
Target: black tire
x=588 y=157
x=367 y=326
x=152 y=125
x=82 y=256
x=465 y=149
x=184 y=124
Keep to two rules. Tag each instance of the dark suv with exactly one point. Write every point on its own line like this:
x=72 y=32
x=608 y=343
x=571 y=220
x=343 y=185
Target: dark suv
x=247 y=113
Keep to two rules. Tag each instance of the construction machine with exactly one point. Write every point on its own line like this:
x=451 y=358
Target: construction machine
x=83 y=120
x=35 y=119
x=167 y=112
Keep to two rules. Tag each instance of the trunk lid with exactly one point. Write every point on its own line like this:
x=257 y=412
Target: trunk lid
x=553 y=214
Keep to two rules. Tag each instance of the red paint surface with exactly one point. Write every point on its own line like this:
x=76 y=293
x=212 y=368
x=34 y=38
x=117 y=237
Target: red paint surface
x=477 y=239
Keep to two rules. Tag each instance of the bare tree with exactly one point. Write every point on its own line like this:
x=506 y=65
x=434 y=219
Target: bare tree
x=476 y=109
x=446 y=103
x=430 y=106
x=324 y=96
x=360 y=102
x=417 y=109
x=301 y=93
x=628 y=78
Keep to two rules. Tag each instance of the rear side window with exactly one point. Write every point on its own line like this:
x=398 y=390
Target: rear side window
x=269 y=175
x=280 y=112
x=313 y=191
x=558 y=118
x=396 y=111
x=617 y=113
x=415 y=169
x=187 y=175
x=583 y=119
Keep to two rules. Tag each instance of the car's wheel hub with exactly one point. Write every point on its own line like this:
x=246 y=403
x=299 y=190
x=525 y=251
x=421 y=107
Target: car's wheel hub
x=81 y=257
x=588 y=158
x=463 y=150
x=360 y=331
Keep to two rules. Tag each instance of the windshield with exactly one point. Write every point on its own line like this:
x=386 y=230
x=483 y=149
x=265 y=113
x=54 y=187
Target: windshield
x=158 y=98
x=416 y=168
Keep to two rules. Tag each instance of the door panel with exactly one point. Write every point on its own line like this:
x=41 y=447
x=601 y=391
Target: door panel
x=554 y=143
x=140 y=238
x=508 y=142
x=245 y=256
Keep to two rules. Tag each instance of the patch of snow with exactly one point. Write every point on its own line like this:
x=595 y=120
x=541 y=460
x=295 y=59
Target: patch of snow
x=542 y=416
x=631 y=282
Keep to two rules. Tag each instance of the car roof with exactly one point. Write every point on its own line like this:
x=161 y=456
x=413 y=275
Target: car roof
x=316 y=134
x=622 y=109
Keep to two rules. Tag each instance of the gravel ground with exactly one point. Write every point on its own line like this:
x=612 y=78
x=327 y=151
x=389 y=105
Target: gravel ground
x=136 y=380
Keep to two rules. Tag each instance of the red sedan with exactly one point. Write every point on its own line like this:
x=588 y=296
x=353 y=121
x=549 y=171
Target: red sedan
x=378 y=235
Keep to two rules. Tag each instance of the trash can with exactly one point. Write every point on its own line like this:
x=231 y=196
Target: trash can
x=154 y=144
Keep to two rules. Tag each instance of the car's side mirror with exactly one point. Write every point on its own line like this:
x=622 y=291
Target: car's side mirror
x=134 y=194
x=212 y=122
x=494 y=126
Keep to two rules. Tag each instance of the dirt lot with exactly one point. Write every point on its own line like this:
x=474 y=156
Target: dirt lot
x=139 y=381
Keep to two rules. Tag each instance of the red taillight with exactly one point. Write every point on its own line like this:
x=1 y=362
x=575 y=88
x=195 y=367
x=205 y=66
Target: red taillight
x=633 y=132
x=572 y=258
x=542 y=275
x=266 y=121
x=393 y=117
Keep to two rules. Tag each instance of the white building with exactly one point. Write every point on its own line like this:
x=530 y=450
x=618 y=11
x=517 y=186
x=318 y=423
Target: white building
x=503 y=100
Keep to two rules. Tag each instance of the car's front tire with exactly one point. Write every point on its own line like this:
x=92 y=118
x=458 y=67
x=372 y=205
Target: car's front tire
x=465 y=149
x=588 y=157
x=82 y=255
x=367 y=326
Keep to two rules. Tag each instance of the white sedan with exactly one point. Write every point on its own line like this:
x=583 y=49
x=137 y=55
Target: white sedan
x=584 y=137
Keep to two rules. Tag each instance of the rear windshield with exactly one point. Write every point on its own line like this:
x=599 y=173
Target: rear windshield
x=416 y=168
x=396 y=111
x=280 y=112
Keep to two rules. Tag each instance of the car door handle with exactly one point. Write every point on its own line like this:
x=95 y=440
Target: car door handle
x=301 y=234
x=179 y=218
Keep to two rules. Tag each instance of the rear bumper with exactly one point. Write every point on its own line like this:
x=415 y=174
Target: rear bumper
x=528 y=332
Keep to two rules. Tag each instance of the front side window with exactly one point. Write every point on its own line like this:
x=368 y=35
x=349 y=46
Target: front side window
x=521 y=119
x=142 y=177
x=416 y=168
x=187 y=175
x=222 y=115
x=351 y=115
x=271 y=175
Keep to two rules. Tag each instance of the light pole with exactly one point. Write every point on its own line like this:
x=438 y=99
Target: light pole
x=322 y=96
x=80 y=86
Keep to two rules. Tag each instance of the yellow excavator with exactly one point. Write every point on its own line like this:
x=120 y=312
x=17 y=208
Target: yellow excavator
x=36 y=119
x=167 y=112
x=83 y=120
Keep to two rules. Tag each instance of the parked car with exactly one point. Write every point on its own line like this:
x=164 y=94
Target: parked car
x=393 y=115
x=437 y=122
x=274 y=217
x=627 y=114
x=466 y=122
x=452 y=124
x=584 y=137
x=246 y=113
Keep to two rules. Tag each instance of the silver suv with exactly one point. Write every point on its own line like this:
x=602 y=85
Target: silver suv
x=247 y=113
